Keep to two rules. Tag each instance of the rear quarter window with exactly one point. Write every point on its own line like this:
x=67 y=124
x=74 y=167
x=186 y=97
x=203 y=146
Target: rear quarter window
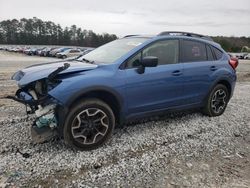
x=218 y=54
x=192 y=51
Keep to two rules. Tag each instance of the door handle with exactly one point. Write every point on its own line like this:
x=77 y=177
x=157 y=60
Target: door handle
x=213 y=68
x=176 y=73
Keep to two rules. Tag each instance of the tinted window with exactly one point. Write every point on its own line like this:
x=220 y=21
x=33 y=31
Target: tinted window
x=192 y=51
x=75 y=51
x=218 y=53
x=166 y=51
x=210 y=56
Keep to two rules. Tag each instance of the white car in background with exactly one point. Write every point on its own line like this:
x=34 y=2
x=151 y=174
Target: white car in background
x=69 y=53
x=247 y=56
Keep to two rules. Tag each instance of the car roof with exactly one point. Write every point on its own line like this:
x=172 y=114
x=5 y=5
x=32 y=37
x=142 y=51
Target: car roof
x=179 y=35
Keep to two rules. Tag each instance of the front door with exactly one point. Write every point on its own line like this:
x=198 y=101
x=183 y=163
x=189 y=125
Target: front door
x=159 y=87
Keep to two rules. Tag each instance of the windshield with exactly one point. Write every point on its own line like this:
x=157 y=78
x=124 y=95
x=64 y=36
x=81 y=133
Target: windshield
x=112 y=51
x=64 y=49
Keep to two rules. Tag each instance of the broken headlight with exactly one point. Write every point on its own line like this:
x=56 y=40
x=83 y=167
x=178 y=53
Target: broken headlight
x=42 y=87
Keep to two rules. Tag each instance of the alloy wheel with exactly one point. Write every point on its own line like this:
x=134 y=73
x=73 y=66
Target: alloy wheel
x=90 y=126
x=219 y=101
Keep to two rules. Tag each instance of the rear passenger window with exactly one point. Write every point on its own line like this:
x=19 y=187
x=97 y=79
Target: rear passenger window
x=192 y=51
x=218 y=53
x=210 y=56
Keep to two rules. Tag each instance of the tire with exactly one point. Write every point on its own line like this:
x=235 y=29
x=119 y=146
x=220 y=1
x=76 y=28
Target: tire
x=64 y=56
x=216 y=101
x=89 y=124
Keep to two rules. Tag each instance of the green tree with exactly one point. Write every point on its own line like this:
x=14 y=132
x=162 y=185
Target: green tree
x=37 y=31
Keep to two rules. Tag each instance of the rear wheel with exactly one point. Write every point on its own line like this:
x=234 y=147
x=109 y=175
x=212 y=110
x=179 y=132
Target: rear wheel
x=217 y=100
x=89 y=124
x=64 y=56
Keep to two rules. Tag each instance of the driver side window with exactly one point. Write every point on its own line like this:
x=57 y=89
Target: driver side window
x=166 y=51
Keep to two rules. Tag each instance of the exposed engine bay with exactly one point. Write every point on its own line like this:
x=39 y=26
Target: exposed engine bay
x=39 y=103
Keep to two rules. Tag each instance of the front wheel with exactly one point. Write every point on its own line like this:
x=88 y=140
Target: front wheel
x=89 y=124
x=217 y=100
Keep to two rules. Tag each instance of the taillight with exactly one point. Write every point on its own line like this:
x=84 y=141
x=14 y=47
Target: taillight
x=233 y=62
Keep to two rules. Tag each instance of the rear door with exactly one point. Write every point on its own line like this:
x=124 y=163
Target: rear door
x=198 y=67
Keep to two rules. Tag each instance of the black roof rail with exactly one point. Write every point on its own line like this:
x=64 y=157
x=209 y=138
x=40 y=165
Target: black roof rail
x=130 y=36
x=185 y=34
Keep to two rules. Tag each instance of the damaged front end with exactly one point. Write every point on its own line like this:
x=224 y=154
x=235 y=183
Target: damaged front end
x=35 y=97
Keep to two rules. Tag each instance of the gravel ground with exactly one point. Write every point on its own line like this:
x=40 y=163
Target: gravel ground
x=178 y=150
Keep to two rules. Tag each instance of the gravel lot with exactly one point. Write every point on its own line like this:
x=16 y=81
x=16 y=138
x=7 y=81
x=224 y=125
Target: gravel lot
x=178 y=150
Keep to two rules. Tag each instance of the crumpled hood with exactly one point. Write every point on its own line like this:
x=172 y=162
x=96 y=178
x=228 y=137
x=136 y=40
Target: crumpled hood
x=39 y=71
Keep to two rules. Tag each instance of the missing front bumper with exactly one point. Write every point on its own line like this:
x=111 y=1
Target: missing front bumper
x=44 y=108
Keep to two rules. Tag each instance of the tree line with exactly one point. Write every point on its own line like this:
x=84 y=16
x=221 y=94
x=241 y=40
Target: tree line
x=35 y=31
x=233 y=44
x=38 y=32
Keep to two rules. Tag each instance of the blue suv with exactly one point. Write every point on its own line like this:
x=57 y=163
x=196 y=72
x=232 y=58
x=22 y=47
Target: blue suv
x=82 y=100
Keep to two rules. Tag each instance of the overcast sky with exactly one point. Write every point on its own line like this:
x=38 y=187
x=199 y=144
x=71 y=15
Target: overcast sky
x=123 y=17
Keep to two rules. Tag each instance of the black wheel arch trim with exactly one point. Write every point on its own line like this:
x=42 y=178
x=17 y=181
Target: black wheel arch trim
x=216 y=82
x=66 y=105
x=95 y=89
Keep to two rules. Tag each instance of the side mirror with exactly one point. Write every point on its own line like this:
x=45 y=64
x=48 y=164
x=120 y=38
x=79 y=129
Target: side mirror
x=149 y=61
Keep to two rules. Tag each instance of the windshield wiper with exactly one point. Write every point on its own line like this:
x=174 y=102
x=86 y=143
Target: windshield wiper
x=52 y=75
x=88 y=61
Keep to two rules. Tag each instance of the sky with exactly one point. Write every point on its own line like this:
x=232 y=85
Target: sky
x=124 y=17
